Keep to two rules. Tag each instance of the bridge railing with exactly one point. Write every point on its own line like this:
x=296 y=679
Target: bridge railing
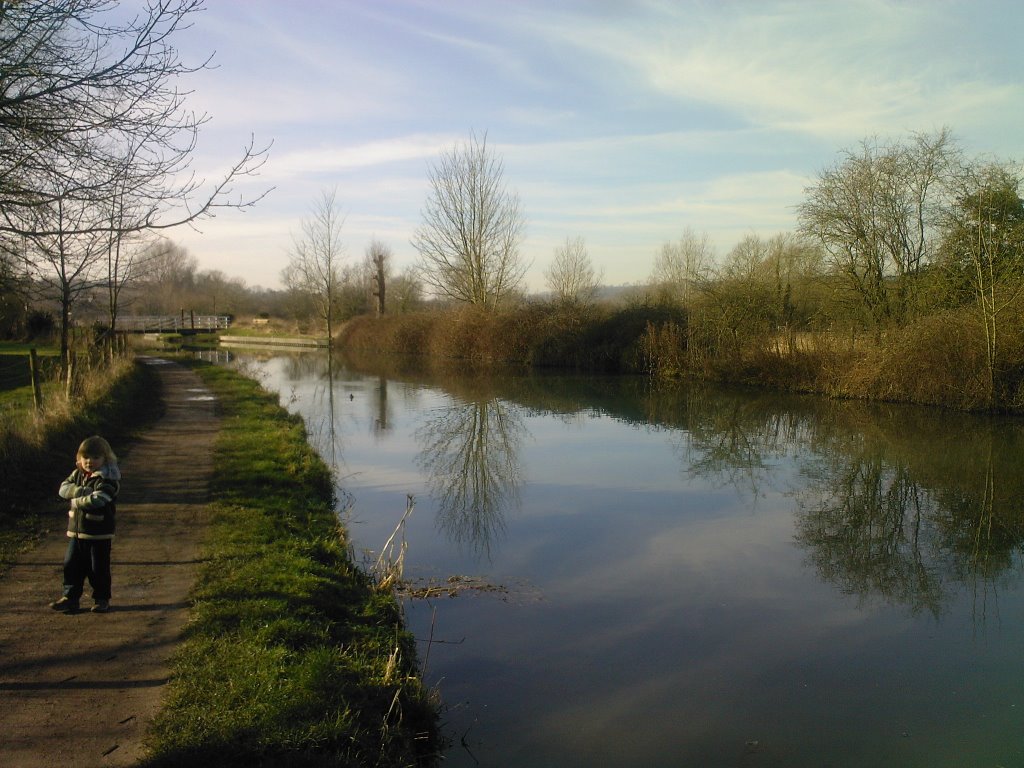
x=171 y=323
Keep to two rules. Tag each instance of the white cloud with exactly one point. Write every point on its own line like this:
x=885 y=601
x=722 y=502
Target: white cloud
x=332 y=158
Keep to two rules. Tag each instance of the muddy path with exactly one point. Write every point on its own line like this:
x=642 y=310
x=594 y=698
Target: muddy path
x=80 y=690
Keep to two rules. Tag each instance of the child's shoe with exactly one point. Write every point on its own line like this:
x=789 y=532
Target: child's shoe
x=102 y=606
x=65 y=605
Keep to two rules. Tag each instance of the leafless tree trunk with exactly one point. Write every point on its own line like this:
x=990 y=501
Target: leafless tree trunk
x=63 y=256
x=472 y=227
x=378 y=258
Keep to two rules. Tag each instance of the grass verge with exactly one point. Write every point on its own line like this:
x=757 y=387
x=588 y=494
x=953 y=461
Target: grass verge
x=292 y=655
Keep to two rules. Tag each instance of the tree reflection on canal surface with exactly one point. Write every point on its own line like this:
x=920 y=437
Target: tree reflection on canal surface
x=693 y=576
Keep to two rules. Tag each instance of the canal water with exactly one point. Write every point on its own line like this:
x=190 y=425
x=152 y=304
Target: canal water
x=687 y=576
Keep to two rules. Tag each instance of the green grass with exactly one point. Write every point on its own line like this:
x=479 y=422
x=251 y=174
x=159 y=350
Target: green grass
x=23 y=347
x=274 y=329
x=15 y=377
x=263 y=330
x=292 y=657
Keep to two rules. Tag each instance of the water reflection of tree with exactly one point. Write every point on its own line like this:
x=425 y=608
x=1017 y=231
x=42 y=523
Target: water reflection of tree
x=910 y=525
x=736 y=439
x=470 y=453
x=874 y=531
x=897 y=504
x=321 y=420
x=381 y=415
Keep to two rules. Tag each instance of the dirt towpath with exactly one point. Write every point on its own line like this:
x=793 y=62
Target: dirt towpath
x=80 y=690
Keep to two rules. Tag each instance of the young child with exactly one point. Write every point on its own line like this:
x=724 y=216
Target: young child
x=92 y=489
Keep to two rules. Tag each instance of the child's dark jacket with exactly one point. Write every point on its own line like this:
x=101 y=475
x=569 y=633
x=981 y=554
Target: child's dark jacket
x=93 y=502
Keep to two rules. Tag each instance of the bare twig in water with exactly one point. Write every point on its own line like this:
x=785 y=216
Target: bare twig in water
x=389 y=568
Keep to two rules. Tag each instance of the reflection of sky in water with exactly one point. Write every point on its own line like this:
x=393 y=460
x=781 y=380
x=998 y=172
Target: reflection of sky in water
x=658 y=618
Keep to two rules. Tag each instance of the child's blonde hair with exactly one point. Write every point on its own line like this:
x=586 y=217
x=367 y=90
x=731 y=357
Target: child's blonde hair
x=96 y=446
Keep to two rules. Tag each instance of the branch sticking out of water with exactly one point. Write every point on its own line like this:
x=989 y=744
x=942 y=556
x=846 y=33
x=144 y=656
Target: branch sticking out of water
x=390 y=566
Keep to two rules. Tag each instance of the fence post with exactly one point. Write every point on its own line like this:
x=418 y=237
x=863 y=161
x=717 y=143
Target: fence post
x=33 y=368
x=69 y=390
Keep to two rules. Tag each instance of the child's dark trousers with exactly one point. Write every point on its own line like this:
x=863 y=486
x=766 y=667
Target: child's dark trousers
x=87 y=559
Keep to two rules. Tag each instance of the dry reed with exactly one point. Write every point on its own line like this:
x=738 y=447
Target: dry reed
x=389 y=569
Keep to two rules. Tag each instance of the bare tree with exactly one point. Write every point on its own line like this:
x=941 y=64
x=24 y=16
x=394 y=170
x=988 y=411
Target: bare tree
x=571 y=276
x=315 y=265
x=406 y=292
x=62 y=255
x=763 y=291
x=123 y=260
x=166 y=275
x=472 y=227
x=378 y=258
x=875 y=212
x=96 y=140
x=125 y=252
x=219 y=293
x=100 y=101
x=682 y=265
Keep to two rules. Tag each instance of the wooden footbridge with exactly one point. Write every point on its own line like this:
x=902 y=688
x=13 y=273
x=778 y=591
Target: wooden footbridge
x=186 y=323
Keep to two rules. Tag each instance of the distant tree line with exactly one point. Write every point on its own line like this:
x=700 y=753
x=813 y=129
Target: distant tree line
x=903 y=280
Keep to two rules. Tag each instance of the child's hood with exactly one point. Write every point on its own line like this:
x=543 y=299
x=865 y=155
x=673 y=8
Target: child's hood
x=110 y=472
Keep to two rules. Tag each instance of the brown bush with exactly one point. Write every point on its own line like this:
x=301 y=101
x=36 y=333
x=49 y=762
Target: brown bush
x=938 y=360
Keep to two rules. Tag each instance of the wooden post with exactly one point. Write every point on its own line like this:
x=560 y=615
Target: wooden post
x=69 y=388
x=33 y=367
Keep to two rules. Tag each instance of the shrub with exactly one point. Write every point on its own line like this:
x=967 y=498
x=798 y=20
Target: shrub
x=937 y=360
x=40 y=325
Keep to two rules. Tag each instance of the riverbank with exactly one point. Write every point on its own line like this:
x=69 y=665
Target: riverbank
x=292 y=656
x=289 y=657
x=935 y=360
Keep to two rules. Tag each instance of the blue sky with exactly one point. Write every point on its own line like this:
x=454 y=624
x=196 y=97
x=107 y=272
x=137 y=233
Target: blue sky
x=620 y=122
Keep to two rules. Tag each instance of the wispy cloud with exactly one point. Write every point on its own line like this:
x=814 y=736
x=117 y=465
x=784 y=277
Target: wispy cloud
x=621 y=122
x=329 y=158
x=820 y=68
